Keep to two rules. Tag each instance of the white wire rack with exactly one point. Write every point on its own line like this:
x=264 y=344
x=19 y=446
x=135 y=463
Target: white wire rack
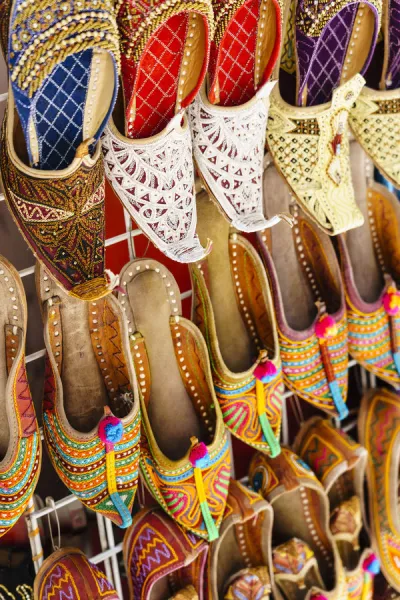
x=109 y=555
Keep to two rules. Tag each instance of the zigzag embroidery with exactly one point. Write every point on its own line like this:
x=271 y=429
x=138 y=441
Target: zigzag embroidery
x=39 y=213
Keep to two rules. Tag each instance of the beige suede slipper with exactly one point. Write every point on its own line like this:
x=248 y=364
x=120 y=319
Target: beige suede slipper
x=185 y=456
x=232 y=306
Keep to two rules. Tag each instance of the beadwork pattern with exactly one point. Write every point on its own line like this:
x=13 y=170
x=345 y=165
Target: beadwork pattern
x=316 y=169
x=62 y=220
x=375 y=121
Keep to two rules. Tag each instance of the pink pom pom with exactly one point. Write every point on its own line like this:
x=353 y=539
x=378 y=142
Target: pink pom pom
x=110 y=430
x=265 y=371
x=319 y=597
x=325 y=327
x=391 y=301
x=199 y=455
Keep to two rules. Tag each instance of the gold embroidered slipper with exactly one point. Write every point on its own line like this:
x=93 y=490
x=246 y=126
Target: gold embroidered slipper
x=91 y=415
x=378 y=431
x=232 y=306
x=185 y=455
x=371 y=280
x=162 y=560
x=340 y=464
x=239 y=562
x=293 y=489
x=327 y=45
x=309 y=303
x=147 y=145
x=375 y=116
x=20 y=445
x=63 y=61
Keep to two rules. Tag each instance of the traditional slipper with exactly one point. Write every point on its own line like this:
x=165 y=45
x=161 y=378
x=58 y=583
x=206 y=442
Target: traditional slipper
x=292 y=489
x=20 y=446
x=228 y=121
x=147 y=145
x=373 y=302
x=377 y=109
x=91 y=416
x=67 y=573
x=186 y=462
x=378 y=431
x=307 y=127
x=239 y=562
x=233 y=308
x=340 y=464
x=309 y=304
x=162 y=560
x=62 y=62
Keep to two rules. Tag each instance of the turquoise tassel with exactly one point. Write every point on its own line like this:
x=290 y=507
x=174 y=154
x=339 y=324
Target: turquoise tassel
x=338 y=400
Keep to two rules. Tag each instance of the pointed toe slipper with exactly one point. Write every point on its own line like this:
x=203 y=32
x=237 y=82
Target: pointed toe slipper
x=305 y=558
x=91 y=409
x=340 y=464
x=371 y=276
x=239 y=562
x=185 y=456
x=378 y=432
x=307 y=130
x=147 y=145
x=228 y=120
x=163 y=560
x=309 y=304
x=20 y=445
x=232 y=306
x=50 y=161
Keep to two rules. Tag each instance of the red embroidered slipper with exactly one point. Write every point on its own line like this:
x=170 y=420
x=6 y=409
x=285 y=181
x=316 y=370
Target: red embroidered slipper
x=229 y=121
x=147 y=145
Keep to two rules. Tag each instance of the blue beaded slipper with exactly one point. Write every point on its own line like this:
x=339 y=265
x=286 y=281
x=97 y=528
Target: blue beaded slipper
x=63 y=61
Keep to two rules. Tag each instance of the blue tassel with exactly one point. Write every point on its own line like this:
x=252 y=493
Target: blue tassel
x=338 y=400
x=396 y=359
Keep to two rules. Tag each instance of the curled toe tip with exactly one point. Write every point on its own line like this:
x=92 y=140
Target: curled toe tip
x=254 y=222
x=189 y=251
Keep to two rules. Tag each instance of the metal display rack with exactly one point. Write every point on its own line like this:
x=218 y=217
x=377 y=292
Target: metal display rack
x=110 y=550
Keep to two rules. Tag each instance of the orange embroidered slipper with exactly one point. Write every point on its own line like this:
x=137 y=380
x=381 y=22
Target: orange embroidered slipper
x=67 y=573
x=228 y=121
x=162 y=560
x=340 y=464
x=309 y=303
x=232 y=306
x=91 y=415
x=370 y=261
x=147 y=145
x=20 y=445
x=379 y=433
x=185 y=456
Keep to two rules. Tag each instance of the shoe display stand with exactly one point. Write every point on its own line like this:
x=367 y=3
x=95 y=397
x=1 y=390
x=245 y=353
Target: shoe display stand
x=124 y=243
